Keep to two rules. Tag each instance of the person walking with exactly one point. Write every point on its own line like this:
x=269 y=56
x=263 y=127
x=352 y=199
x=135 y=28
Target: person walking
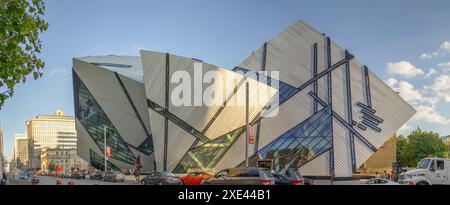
x=386 y=175
x=137 y=168
x=392 y=178
x=4 y=178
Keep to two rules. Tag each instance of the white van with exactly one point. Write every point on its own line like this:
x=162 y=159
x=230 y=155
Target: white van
x=429 y=171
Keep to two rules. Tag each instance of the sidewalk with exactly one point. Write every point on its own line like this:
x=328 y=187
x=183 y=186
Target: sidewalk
x=12 y=181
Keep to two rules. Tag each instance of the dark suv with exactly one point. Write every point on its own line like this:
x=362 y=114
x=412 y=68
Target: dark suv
x=296 y=178
x=241 y=176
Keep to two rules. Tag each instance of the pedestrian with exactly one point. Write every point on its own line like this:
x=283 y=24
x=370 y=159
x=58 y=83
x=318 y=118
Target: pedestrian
x=136 y=174
x=386 y=175
x=137 y=167
x=4 y=178
x=377 y=175
x=392 y=178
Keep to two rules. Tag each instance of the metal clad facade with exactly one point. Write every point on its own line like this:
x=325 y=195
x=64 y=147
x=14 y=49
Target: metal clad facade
x=105 y=88
x=290 y=53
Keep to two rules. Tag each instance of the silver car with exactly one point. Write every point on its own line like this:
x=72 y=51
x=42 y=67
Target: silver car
x=242 y=176
x=379 y=181
x=161 y=178
x=114 y=177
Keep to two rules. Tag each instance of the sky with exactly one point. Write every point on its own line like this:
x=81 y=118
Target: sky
x=404 y=42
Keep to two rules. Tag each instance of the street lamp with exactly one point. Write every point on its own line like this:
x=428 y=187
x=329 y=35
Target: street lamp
x=104 y=147
x=247 y=133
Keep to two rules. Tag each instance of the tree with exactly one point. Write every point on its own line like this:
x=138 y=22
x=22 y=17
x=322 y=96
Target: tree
x=401 y=144
x=20 y=25
x=418 y=145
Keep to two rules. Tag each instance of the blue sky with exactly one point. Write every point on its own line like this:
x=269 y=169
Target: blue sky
x=401 y=41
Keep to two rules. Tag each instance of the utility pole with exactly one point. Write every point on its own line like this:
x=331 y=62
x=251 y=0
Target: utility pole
x=104 y=148
x=247 y=133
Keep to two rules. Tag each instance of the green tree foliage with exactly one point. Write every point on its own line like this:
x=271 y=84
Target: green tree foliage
x=418 y=145
x=402 y=141
x=20 y=25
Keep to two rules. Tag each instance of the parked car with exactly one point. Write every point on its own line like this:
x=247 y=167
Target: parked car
x=97 y=175
x=196 y=178
x=296 y=178
x=281 y=180
x=241 y=176
x=81 y=175
x=74 y=175
x=23 y=176
x=78 y=175
x=34 y=180
x=161 y=178
x=379 y=181
x=114 y=177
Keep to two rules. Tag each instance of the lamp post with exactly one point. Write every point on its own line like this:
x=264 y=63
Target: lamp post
x=105 y=147
x=247 y=133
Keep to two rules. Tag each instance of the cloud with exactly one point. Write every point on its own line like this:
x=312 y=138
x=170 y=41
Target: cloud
x=426 y=56
x=138 y=47
x=406 y=90
x=441 y=87
x=426 y=106
x=445 y=46
x=404 y=68
x=430 y=114
x=444 y=49
x=404 y=128
x=392 y=82
x=444 y=65
x=429 y=100
x=431 y=72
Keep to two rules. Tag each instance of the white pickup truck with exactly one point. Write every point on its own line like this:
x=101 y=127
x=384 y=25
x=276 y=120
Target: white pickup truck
x=429 y=171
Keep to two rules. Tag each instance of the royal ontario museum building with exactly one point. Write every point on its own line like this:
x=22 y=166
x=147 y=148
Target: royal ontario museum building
x=312 y=106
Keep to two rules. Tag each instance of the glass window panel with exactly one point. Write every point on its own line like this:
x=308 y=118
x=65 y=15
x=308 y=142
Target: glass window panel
x=207 y=155
x=94 y=120
x=301 y=143
x=98 y=162
x=146 y=147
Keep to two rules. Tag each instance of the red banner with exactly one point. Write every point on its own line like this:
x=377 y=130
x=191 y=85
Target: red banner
x=251 y=137
x=108 y=151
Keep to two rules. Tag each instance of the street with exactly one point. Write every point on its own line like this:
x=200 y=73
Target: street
x=46 y=180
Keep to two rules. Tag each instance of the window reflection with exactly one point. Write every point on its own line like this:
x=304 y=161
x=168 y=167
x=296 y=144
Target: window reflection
x=93 y=119
x=300 y=144
x=98 y=162
x=207 y=155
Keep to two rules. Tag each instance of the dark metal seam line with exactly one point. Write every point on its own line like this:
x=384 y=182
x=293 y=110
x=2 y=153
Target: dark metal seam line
x=258 y=125
x=350 y=113
x=367 y=80
x=130 y=101
x=330 y=102
x=191 y=130
x=315 y=84
x=166 y=120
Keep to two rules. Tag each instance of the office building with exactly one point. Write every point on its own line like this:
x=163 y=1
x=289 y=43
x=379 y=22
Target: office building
x=67 y=159
x=20 y=158
x=50 y=131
